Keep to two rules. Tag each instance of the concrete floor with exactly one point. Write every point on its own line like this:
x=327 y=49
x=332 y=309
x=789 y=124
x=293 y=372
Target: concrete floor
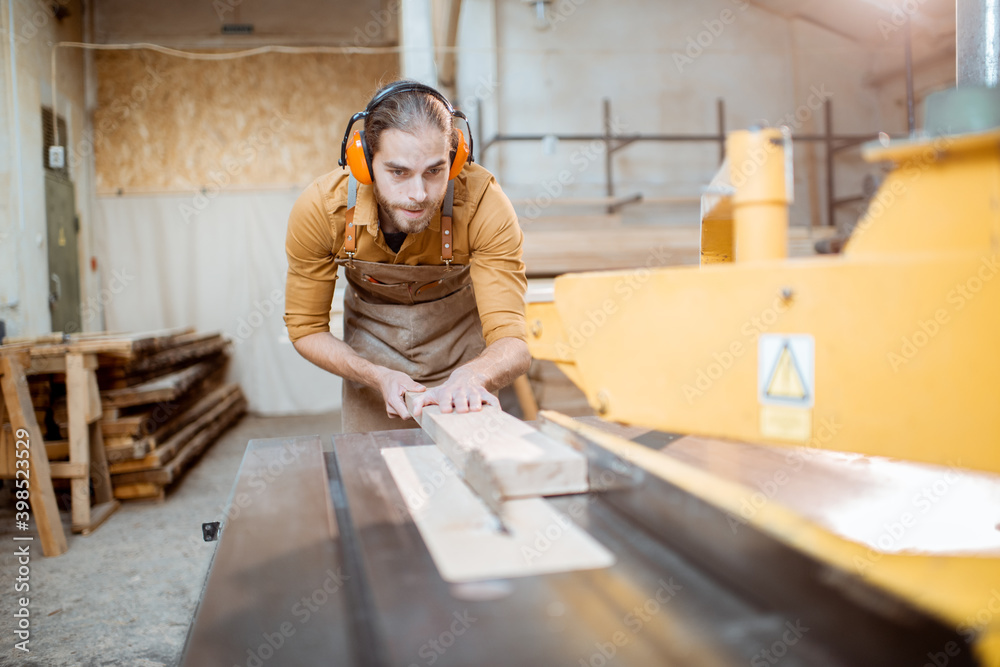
x=126 y=594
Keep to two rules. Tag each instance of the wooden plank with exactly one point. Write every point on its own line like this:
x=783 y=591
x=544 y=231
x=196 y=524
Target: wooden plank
x=57 y=449
x=22 y=417
x=206 y=345
x=189 y=453
x=117 y=344
x=162 y=389
x=130 y=425
x=167 y=419
x=524 y=462
x=203 y=413
x=128 y=452
x=67 y=470
x=139 y=491
x=77 y=387
x=461 y=534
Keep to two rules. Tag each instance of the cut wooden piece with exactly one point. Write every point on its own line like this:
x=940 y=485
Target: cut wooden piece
x=130 y=425
x=77 y=399
x=523 y=461
x=41 y=493
x=167 y=419
x=461 y=532
x=162 y=389
x=139 y=491
x=198 y=417
x=170 y=471
x=136 y=449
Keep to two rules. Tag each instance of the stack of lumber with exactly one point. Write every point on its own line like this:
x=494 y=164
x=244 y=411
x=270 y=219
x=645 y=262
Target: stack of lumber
x=163 y=401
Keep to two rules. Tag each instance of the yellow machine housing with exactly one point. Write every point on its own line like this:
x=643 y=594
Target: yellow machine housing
x=889 y=349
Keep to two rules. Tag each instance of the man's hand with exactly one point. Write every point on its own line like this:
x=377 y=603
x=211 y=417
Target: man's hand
x=463 y=392
x=393 y=384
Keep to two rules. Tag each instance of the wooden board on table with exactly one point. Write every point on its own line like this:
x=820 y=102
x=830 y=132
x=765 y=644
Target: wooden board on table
x=462 y=534
x=524 y=461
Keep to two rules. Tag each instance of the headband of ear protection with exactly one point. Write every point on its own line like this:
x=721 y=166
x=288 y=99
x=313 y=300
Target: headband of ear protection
x=354 y=151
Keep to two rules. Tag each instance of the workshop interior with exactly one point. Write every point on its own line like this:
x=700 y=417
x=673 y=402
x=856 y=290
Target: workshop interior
x=744 y=415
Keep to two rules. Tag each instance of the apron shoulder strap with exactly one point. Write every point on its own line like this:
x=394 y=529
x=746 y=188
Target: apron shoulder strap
x=351 y=240
x=446 y=227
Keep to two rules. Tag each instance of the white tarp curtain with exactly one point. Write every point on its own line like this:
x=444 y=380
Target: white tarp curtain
x=216 y=264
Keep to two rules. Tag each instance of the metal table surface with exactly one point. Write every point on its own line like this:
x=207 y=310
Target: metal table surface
x=685 y=588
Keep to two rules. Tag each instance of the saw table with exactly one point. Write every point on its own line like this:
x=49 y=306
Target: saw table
x=320 y=563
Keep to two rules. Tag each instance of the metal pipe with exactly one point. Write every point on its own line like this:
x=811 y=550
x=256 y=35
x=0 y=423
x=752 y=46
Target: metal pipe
x=977 y=43
x=720 y=108
x=608 y=161
x=841 y=141
x=828 y=140
x=911 y=123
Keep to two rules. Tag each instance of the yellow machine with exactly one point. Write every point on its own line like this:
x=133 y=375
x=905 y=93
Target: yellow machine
x=889 y=349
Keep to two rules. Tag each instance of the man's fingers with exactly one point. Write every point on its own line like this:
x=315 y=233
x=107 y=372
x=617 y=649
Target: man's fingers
x=418 y=403
x=398 y=406
x=490 y=399
x=475 y=402
x=461 y=402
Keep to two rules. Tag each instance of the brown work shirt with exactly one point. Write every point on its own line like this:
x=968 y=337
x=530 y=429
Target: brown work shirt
x=486 y=236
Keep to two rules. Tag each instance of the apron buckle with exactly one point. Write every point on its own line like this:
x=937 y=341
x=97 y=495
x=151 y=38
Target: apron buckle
x=447 y=263
x=350 y=258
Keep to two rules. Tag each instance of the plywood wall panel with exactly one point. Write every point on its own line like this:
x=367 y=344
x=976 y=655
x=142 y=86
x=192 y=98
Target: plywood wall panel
x=167 y=124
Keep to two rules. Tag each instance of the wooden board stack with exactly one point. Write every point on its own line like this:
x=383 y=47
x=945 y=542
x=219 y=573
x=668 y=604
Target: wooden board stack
x=163 y=399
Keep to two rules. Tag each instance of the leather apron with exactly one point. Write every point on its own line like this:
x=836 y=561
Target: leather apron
x=420 y=320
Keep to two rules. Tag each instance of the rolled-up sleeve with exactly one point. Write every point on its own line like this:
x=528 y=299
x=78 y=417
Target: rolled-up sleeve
x=312 y=272
x=496 y=242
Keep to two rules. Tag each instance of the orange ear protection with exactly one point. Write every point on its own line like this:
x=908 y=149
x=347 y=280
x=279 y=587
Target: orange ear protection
x=354 y=151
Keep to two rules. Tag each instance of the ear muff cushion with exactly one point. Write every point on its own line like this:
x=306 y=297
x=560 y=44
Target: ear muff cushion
x=461 y=157
x=357 y=159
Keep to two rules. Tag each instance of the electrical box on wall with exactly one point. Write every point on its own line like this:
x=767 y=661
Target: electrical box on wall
x=57 y=157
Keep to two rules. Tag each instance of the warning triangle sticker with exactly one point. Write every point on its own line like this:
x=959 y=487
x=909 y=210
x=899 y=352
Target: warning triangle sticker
x=786 y=381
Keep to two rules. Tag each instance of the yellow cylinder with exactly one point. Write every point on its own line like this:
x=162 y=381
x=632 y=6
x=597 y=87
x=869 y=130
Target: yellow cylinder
x=760 y=200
